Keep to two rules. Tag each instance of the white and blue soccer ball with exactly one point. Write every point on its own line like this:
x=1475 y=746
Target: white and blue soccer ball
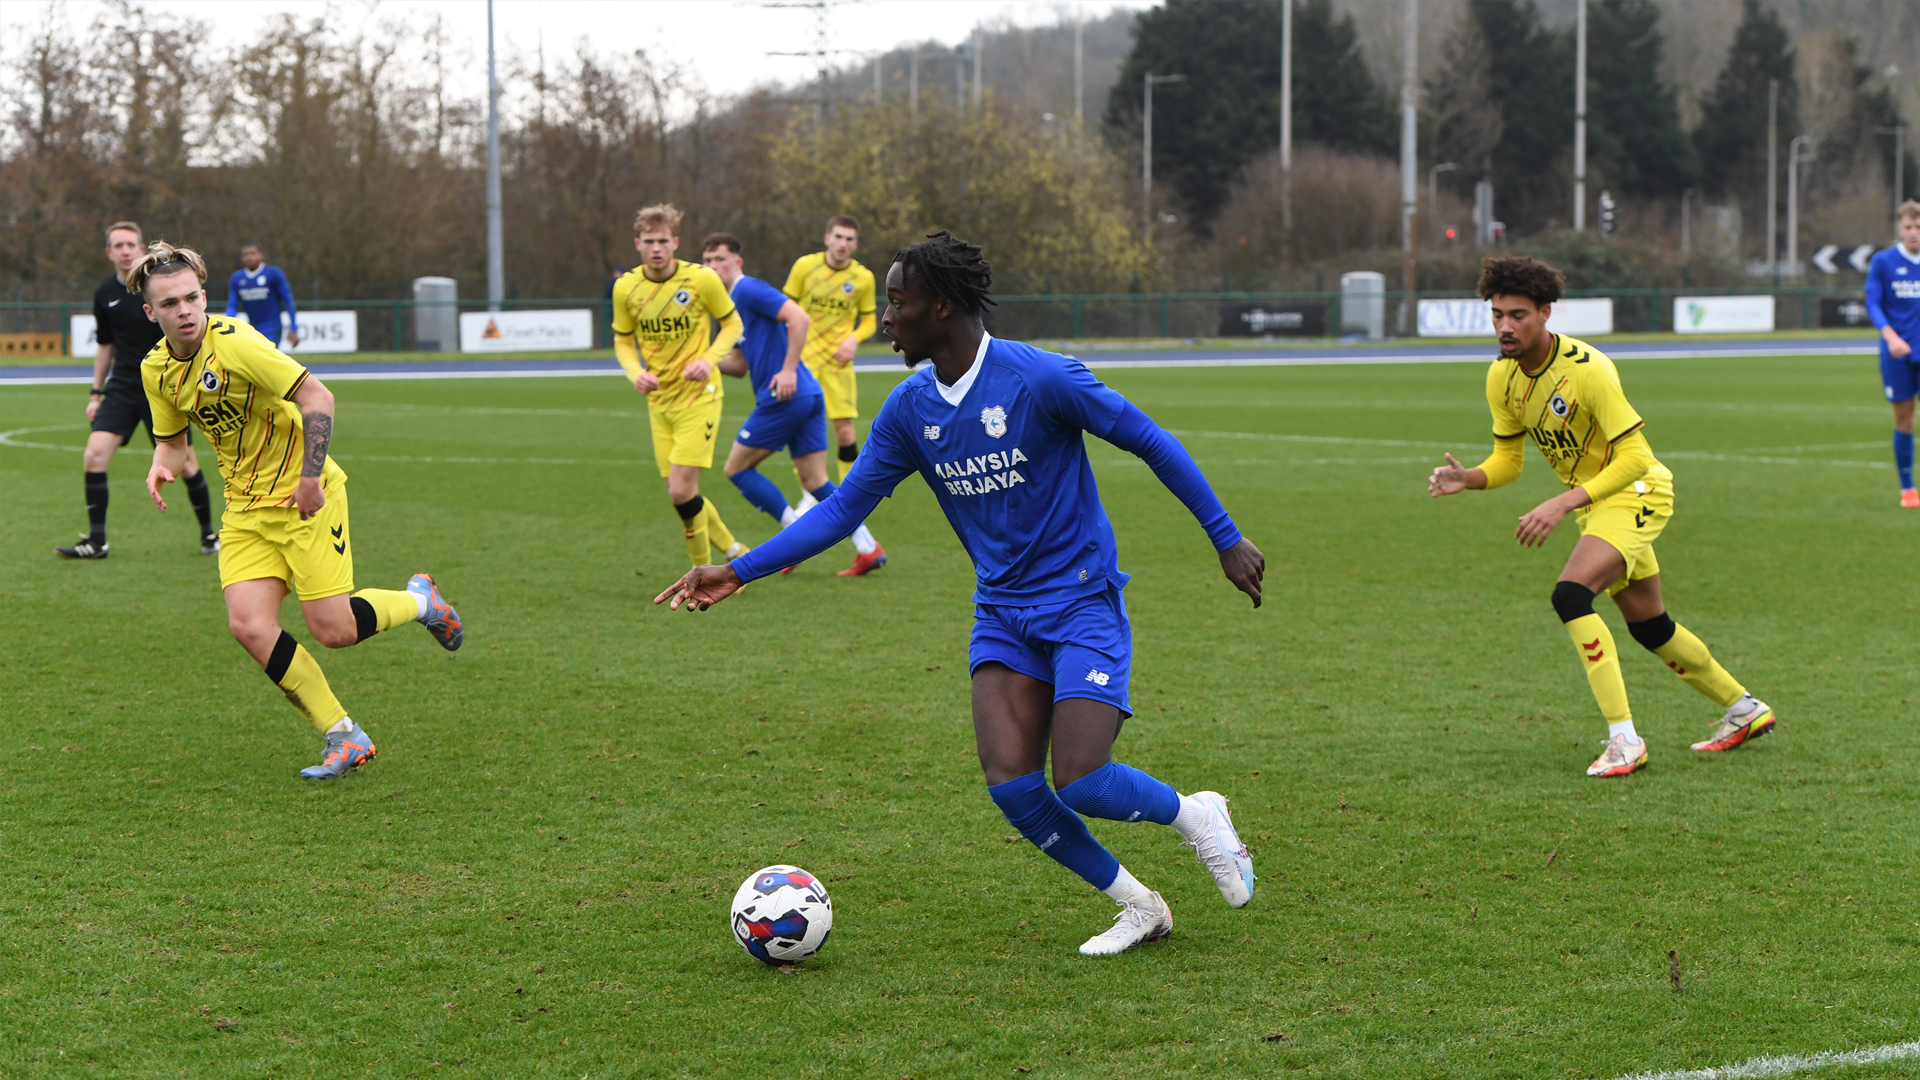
x=781 y=915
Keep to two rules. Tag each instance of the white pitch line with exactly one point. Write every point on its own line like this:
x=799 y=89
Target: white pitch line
x=1786 y=1064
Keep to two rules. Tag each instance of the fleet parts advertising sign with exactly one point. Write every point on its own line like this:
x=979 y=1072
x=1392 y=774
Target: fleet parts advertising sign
x=1472 y=318
x=526 y=331
x=1722 y=314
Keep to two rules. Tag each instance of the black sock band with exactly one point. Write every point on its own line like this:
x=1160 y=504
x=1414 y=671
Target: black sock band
x=849 y=451
x=1653 y=633
x=691 y=508
x=364 y=620
x=1572 y=600
x=201 y=499
x=96 y=486
x=282 y=657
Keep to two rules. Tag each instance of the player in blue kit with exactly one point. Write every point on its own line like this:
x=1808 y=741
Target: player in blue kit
x=789 y=411
x=1893 y=303
x=264 y=292
x=996 y=428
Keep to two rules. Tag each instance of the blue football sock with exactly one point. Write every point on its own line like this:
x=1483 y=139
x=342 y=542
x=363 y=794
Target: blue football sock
x=1903 y=457
x=760 y=491
x=820 y=493
x=1033 y=808
x=1122 y=793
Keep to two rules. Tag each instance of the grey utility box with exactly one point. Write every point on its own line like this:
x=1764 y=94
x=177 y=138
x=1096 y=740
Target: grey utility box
x=436 y=314
x=1363 y=303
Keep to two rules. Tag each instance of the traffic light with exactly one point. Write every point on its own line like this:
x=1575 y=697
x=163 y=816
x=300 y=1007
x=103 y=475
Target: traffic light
x=1609 y=219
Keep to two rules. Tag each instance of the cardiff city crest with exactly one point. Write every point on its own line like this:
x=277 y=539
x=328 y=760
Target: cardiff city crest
x=995 y=419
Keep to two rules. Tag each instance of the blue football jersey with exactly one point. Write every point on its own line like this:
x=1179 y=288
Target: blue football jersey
x=265 y=294
x=1893 y=293
x=1003 y=453
x=765 y=341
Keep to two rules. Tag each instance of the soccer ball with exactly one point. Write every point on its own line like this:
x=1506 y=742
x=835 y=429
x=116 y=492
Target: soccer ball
x=781 y=915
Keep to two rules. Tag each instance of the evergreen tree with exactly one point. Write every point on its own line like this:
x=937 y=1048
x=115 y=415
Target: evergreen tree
x=1732 y=137
x=1227 y=113
x=1634 y=142
x=1530 y=78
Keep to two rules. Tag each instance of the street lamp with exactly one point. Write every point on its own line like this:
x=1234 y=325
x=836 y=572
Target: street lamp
x=1794 y=160
x=1148 y=82
x=1433 y=188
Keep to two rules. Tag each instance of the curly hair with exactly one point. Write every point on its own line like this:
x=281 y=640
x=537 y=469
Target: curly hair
x=657 y=217
x=950 y=268
x=1520 y=275
x=164 y=260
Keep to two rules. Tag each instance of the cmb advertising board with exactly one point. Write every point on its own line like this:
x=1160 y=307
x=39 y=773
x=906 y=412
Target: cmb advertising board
x=1471 y=318
x=1722 y=314
x=526 y=331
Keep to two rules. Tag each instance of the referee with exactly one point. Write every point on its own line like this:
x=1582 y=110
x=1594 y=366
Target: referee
x=118 y=403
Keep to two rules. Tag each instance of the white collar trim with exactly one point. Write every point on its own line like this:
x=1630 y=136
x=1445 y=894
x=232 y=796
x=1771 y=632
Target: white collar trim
x=957 y=393
x=1905 y=254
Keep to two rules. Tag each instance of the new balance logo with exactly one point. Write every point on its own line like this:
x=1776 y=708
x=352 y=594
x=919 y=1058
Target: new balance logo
x=1098 y=678
x=1593 y=651
x=932 y=432
x=1051 y=840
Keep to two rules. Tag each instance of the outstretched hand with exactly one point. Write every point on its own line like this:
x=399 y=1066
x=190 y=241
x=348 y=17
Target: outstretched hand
x=1245 y=567
x=1449 y=479
x=701 y=588
x=157 y=476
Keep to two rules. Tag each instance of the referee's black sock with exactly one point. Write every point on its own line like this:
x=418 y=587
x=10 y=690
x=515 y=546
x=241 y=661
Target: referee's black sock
x=202 y=500
x=97 y=507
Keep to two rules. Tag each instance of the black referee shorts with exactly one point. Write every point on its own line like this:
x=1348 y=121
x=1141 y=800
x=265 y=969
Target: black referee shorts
x=122 y=414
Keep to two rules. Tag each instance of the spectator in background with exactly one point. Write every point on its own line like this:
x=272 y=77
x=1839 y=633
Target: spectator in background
x=265 y=293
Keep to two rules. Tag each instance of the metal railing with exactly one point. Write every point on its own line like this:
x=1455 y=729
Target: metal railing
x=385 y=325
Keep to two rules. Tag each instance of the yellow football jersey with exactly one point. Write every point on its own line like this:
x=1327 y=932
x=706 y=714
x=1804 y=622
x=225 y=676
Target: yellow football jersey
x=1573 y=408
x=834 y=299
x=669 y=320
x=236 y=389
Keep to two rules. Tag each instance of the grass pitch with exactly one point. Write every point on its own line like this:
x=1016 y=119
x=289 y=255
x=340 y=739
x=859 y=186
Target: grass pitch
x=533 y=878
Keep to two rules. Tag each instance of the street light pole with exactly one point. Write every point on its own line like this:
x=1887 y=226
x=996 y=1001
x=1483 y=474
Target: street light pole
x=496 y=243
x=1773 y=174
x=1286 y=114
x=1580 y=122
x=1794 y=161
x=1409 y=157
x=1433 y=187
x=1148 y=81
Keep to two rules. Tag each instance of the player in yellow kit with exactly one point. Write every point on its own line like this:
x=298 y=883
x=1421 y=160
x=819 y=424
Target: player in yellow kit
x=661 y=311
x=285 y=525
x=1566 y=396
x=837 y=294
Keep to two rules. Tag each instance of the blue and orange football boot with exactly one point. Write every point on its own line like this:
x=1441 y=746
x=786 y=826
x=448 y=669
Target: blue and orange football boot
x=346 y=751
x=1748 y=718
x=441 y=620
x=862 y=564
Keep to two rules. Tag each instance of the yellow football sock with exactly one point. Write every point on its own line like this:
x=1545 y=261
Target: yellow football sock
x=298 y=675
x=844 y=467
x=391 y=607
x=695 y=528
x=1595 y=644
x=717 y=532
x=1690 y=659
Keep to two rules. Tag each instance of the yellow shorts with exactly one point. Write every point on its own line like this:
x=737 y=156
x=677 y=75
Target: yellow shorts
x=836 y=382
x=1631 y=521
x=685 y=436
x=314 y=557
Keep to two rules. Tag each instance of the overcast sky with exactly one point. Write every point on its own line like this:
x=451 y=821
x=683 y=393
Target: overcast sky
x=729 y=45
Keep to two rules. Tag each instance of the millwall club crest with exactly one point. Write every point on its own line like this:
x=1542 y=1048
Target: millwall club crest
x=995 y=419
x=683 y=298
x=847 y=287
x=1558 y=405
x=209 y=381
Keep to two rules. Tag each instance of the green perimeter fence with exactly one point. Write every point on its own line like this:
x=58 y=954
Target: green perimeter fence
x=387 y=325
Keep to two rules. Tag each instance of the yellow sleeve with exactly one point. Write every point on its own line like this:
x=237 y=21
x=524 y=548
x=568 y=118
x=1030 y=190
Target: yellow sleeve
x=1506 y=423
x=1629 y=459
x=1606 y=401
x=247 y=353
x=865 y=324
x=797 y=278
x=166 y=417
x=713 y=295
x=622 y=311
x=627 y=351
x=1504 y=464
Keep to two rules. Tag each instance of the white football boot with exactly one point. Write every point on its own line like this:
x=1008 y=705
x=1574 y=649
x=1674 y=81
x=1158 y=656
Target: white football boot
x=1136 y=924
x=1219 y=849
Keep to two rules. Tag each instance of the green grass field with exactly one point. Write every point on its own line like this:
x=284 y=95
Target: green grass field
x=532 y=880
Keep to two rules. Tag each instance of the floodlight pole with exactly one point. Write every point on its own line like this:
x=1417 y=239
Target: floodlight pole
x=1580 y=121
x=1148 y=81
x=976 y=71
x=1899 y=133
x=1409 y=161
x=1773 y=174
x=496 y=254
x=1794 y=161
x=1079 y=70
x=1286 y=114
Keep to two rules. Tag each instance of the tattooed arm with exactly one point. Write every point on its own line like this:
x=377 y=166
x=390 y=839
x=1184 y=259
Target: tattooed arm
x=316 y=420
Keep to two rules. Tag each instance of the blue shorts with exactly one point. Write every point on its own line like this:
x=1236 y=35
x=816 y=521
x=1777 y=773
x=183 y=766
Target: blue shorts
x=1901 y=377
x=1083 y=647
x=798 y=426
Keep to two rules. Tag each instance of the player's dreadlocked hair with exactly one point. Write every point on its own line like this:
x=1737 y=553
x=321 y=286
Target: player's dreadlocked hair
x=161 y=260
x=950 y=268
x=1518 y=275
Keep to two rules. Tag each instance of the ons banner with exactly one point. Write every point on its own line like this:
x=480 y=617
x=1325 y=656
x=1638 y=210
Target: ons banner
x=526 y=331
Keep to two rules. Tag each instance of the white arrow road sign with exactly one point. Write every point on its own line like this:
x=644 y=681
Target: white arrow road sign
x=1860 y=256
x=1824 y=259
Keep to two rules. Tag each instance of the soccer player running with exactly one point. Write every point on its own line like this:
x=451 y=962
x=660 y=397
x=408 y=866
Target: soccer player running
x=836 y=292
x=789 y=411
x=1566 y=394
x=285 y=526
x=1893 y=303
x=264 y=292
x=117 y=405
x=996 y=428
x=661 y=309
